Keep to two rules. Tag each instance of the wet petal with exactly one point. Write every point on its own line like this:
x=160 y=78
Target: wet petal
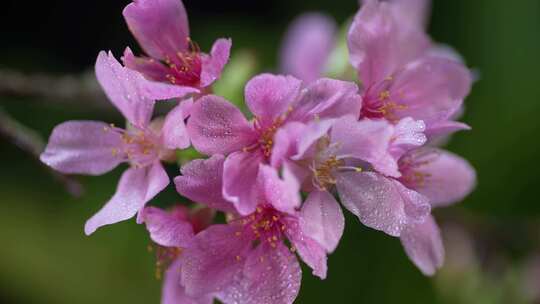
x=136 y=187
x=431 y=89
x=307 y=46
x=148 y=67
x=327 y=98
x=424 y=246
x=381 y=203
x=212 y=65
x=216 y=256
x=166 y=228
x=218 y=127
x=408 y=135
x=448 y=179
x=174 y=134
x=322 y=219
x=83 y=147
x=270 y=276
x=240 y=181
x=366 y=140
x=160 y=26
x=270 y=96
x=133 y=95
x=202 y=182
x=282 y=194
x=379 y=45
x=174 y=293
x=311 y=251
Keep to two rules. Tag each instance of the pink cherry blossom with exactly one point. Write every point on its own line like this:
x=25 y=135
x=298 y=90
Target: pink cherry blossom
x=402 y=73
x=217 y=127
x=94 y=148
x=359 y=158
x=173 y=232
x=161 y=27
x=247 y=260
x=444 y=178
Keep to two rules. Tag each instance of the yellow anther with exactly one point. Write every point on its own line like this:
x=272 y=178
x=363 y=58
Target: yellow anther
x=384 y=95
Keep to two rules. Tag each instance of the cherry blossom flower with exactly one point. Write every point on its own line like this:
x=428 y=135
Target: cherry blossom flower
x=217 y=127
x=94 y=148
x=173 y=231
x=161 y=28
x=248 y=260
x=403 y=73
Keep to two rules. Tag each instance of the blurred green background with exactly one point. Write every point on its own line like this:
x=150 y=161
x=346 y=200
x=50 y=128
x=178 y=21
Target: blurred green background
x=45 y=257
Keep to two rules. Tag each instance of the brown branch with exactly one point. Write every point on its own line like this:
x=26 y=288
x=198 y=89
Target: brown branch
x=30 y=142
x=67 y=89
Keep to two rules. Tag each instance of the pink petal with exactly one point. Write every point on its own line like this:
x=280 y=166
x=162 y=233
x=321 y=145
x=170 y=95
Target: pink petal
x=381 y=203
x=240 y=181
x=218 y=127
x=174 y=134
x=411 y=13
x=311 y=251
x=367 y=140
x=270 y=96
x=282 y=194
x=201 y=181
x=379 y=45
x=166 y=229
x=444 y=128
x=133 y=95
x=424 y=246
x=322 y=219
x=431 y=89
x=307 y=46
x=148 y=67
x=309 y=135
x=270 y=276
x=160 y=26
x=408 y=135
x=326 y=99
x=286 y=142
x=216 y=256
x=84 y=147
x=135 y=189
x=448 y=179
x=212 y=65
x=174 y=293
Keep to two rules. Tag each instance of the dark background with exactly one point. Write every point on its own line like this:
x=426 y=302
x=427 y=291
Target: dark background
x=45 y=257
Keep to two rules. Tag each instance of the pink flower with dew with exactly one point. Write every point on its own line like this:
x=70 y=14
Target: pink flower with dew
x=444 y=178
x=94 y=148
x=173 y=232
x=307 y=46
x=248 y=259
x=402 y=73
x=217 y=127
x=359 y=159
x=382 y=175
x=161 y=28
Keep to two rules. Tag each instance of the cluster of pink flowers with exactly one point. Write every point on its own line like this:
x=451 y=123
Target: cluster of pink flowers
x=372 y=147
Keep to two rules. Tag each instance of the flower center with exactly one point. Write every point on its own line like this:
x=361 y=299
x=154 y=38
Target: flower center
x=380 y=102
x=265 y=142
x=186 y=67
x=323 y=173
x=265 y=225
x=410 y=167
x=138 y=146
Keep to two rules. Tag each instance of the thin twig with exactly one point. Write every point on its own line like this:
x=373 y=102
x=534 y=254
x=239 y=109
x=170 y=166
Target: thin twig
x=67 y=89
x=30 y=142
